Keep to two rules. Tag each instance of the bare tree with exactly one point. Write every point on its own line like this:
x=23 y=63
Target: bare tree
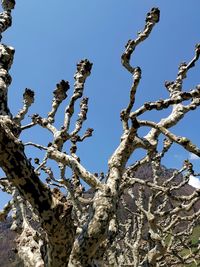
x=58 y=224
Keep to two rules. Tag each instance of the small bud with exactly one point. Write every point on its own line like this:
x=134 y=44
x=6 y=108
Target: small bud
x=8 y=4
x=84 y=67
x=28 y=96
x=89 y=132
x=61 y=89
x=37 y=161
x=153 y=15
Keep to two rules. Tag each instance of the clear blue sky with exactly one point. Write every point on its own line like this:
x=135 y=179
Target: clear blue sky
x=50 y=37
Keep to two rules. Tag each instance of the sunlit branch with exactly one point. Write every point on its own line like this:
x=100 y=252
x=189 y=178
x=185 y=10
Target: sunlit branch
x=176 y=86
x=151 y=19
x=175 y=174
x=60 y=93
x=71 y=162
x=28 y=126
x=6 y=59
x=82 y=116
x=28 y=99
x=164 y=104
x=36 y=145
x=183 y=141
x=83 y=71
x=42 y=164
x=167 y=143
x=126 y=112
x=36 y=119
x=5 y=21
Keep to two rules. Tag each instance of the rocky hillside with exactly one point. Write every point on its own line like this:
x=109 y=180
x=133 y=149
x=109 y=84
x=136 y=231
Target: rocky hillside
x=8 y=257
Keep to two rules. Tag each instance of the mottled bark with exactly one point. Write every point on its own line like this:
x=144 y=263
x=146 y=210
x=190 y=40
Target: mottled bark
x=78 y=231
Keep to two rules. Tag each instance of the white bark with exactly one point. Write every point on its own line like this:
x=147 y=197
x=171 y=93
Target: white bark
x=74 y=230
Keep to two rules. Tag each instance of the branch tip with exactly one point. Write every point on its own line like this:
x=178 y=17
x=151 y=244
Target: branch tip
x=8 y=4
x=29 y=96
x=153 y=16
x=61 y=89
x=197 y=49
x=84 y=67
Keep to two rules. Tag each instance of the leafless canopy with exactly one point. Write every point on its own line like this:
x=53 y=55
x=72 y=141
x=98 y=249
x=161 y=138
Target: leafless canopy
x=58 y=223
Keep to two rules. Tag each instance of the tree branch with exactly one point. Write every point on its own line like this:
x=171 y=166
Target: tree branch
x=151 y=19
x=83 y=71
x=183 y=141
x=28 y=97
x=67 y=160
